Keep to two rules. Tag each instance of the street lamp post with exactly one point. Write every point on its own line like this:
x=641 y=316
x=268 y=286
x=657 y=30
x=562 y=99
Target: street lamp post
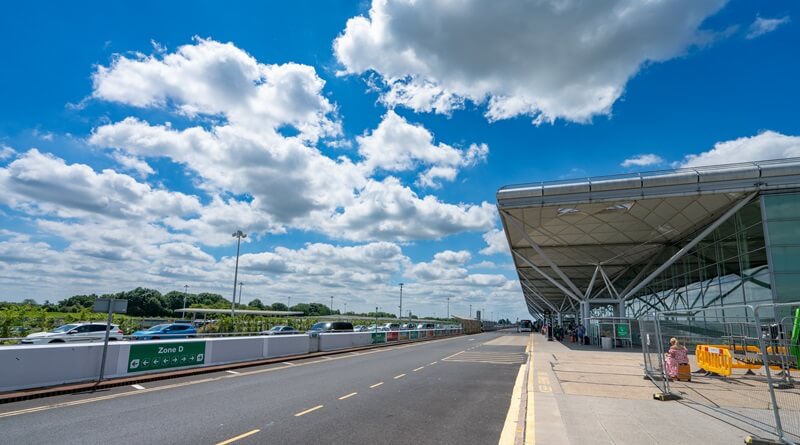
x=331 y=304
x=401 y=302
x=470 y=311
x=345 y=309
x=238 y=235
x=448 y=308
x=289 y=304
x=185 y=293
x=240 y=292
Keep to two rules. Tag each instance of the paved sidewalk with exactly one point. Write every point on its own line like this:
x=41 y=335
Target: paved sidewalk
x=583 y=395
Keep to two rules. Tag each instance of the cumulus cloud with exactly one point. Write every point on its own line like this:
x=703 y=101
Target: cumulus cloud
x=43 y=183
x=546 y=59
x=495 y=242
x=763 y=146
x=134 y=164
x=289 y=182
x=762 y=26
x=396 y=145
x=642 y=161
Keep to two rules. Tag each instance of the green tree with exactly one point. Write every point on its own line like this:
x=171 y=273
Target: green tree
x=257 y=304
x=279 y=307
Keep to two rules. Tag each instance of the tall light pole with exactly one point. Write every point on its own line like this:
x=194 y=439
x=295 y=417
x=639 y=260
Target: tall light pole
x=401 y=302
x=238 y=235
x=448 y=308
x=185 y=293
x=289 y=304
x=345 y=308
x=240 y=292
x=331 y=304
x=470 y=311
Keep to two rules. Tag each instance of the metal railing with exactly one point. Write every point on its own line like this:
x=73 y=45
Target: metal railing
x=745 y=360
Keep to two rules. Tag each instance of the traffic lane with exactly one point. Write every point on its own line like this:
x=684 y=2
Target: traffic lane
x=183 y=414
x=442 y=403
x=69 y=398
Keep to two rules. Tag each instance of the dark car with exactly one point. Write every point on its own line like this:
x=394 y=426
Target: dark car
x=166 y=331
x=331 y=326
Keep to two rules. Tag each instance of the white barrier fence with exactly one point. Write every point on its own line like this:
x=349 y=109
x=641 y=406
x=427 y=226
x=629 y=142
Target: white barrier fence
x=36 y=366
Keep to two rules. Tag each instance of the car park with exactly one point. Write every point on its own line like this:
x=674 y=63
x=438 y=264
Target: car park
x=331 y=326
x=281 y=330
x=391 y=327
x=74 y=332
x=166 y=331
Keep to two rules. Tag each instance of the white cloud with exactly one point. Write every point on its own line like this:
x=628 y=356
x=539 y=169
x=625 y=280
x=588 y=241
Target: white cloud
x=396 y=145
x=289 y=182
x=546 y=59
x=762 y=26
x=495 y=242
x=764 y=146
x=642 y=161
x=133 y=164
x=42 y=183
x=213 y=78
x=6 y=152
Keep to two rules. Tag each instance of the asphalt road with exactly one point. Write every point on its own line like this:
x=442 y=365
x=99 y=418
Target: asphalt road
x=448 y=391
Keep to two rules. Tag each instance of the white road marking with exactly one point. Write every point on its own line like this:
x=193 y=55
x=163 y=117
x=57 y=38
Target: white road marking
x=348 y=396
x=303 y=413
x=421 y=367
x=138 y=386
x=233 y=372
x=376 y=385
x=399 y=376
x=288 y=363
x=240 y=436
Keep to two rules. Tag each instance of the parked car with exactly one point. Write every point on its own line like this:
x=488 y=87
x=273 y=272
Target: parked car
x=373 y=328
x=166 y=331
x=409 y=326
x=391 y=327
x=426 y=326
x=331 y=326
x=281 y=330
x=74 y=332
x=360 y=328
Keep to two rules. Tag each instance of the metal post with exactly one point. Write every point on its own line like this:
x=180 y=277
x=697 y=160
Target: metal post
x=289 y=303
x=401 y=301
x=376 y=318
x=660 y=343
x=448 y=308
x=240 y=292
x=238 y=235
x=105 y=343
x=470 y=311
x=331 y=304
x=185 y=293
x=763 y=347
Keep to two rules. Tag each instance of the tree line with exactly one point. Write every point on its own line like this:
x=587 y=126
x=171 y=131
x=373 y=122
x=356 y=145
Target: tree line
x=144 y=302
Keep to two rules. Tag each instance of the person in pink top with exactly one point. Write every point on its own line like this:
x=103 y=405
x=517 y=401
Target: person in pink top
x=676 y=356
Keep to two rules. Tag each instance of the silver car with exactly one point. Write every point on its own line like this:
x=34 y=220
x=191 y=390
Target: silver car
x=74 y=332
x=281 y=330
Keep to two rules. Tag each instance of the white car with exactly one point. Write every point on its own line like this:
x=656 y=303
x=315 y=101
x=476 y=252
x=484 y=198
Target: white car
x=74 y=332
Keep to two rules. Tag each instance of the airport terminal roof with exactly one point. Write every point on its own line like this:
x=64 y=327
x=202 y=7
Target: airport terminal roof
x=560 y=231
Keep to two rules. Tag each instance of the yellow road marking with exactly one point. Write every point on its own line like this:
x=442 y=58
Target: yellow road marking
x=348 y=396
x=399 y=376
x=240 y=436
x=376 y=385
x=303 y=413
x=421 y=367
x=510 y=426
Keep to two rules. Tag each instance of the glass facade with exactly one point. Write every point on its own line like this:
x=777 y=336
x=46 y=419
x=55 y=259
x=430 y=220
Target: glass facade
x=782 y=221
x=728 y=267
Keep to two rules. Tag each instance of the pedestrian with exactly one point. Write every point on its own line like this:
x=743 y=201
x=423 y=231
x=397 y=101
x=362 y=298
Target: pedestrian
x=677 y=357
x=581 y=331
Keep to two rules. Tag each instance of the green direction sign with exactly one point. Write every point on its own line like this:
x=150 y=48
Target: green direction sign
x=623 y=330
x=378 y=337
x=149 y=357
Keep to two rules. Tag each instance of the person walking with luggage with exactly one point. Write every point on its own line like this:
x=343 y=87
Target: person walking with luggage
x=675 y=358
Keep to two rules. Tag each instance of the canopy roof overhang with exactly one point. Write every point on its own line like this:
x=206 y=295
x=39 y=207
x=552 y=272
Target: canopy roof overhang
x=577 y=238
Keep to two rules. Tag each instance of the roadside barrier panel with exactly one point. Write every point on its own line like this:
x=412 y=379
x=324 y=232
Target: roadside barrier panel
x=36 y=366
x=402 y=335
x=378 y=337
x=414 y=335
x=392 y=336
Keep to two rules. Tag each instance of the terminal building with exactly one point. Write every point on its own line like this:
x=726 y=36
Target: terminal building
x=679 y=241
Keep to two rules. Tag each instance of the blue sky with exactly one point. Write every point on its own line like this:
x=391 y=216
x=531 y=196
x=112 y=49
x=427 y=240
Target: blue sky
x=359 y=145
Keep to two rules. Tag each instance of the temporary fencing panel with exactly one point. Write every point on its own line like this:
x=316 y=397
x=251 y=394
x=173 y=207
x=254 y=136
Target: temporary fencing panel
x=744 y=362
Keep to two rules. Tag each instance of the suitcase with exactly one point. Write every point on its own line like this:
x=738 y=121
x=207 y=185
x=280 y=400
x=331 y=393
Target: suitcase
x=684 y=373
